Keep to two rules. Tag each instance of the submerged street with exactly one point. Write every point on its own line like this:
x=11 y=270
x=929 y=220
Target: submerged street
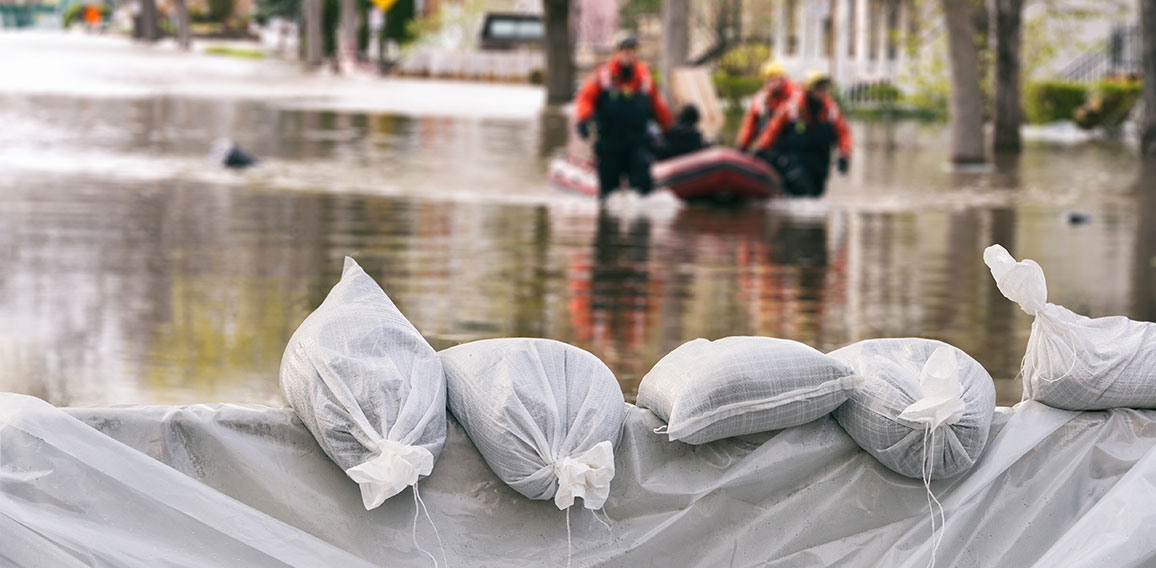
x=136 y=272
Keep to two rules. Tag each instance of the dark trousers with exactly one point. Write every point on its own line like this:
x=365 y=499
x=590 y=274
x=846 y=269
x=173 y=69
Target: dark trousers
x=803 y=174
x=616 y=160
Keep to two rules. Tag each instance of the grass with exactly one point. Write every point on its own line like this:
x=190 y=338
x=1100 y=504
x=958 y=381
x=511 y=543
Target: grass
x=242 y=52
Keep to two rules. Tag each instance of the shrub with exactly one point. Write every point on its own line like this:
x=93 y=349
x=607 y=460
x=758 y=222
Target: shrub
x=537 y=77
x=744 y=60
x=1109 y=104
x=1051 y=101
x=734 y=89
x=220 y=10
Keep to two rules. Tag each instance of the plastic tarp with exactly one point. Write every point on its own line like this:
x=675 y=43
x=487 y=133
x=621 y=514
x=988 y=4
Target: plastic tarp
x=248 y=485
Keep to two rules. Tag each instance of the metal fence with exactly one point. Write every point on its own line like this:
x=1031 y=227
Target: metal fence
x=1119 y=55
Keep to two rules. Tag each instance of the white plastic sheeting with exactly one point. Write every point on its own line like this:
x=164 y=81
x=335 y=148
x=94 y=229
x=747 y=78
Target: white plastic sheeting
x=1053 y=488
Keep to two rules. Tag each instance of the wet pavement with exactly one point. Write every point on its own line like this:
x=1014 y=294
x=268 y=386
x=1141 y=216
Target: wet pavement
x=136 y=273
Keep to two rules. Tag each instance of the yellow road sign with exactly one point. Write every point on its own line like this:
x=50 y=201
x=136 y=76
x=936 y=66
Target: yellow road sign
x=384 y=5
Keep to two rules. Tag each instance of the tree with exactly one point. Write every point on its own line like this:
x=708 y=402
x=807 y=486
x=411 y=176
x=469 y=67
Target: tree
x=1148 y=31
x=1006 y=20
x=675 y=40
x=313 y=35
x=966 y=103
x=184 y=35
x=559 y=56
x=149 y=28
x=347 y=49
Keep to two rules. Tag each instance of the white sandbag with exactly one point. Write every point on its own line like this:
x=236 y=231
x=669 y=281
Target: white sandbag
x=368 y=386
x=923 y=407
x=1072 y=361
x=710 y=390
x=545 y=415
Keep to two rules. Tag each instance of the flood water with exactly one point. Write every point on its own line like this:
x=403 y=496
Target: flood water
x=135 y=273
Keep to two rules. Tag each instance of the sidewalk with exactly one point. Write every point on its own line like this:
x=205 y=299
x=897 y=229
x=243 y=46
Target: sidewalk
x=42 y=63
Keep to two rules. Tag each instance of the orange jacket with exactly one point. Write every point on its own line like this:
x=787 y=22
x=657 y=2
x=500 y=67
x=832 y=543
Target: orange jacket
x=605 y=77
x=796 y=109
x=763 y=106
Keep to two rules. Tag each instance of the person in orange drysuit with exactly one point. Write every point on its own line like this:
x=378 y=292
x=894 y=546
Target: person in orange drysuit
x=92 y=16
x=620 y=99
x=798 y=140
x=776 y=91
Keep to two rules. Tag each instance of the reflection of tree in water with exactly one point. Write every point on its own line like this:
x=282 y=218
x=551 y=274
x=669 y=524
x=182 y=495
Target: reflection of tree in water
x=553 y=132
x=1144 y=273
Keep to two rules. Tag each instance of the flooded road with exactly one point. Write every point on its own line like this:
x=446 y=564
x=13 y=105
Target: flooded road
x=136 y=273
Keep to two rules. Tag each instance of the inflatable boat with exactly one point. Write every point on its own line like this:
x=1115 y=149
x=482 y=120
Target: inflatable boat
x=721 y=174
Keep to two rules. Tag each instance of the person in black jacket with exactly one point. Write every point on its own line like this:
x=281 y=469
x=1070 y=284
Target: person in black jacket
x=684 y=137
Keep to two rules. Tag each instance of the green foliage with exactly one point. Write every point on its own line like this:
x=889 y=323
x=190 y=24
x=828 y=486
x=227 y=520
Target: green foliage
x=267 y=9
x=734 y=89
x=451 y=23
x=631 y=10
x=1051 y=101
x=744 y=60
x=397 y=21
x=1109 y=103
x=536 y=77
x=330 y=20
x=220 y=10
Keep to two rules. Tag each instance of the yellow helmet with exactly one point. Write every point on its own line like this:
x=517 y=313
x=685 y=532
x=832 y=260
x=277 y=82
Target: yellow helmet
x=815 y=77
x=772 y=68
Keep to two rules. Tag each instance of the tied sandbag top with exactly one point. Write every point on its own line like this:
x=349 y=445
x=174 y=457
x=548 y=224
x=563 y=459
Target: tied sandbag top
x=923 y=408
x=1072 y=361
x=368 y=386
x=545 y=415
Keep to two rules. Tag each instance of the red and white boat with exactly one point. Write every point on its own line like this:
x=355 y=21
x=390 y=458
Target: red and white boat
x=720 y=174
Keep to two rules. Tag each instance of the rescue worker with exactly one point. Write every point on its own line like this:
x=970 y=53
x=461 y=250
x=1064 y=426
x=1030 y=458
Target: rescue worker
x=621 y=100
x=798 y=140
x=776 y=91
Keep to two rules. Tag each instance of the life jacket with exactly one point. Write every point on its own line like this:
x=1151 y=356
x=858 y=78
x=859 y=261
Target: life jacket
x=763 y=107
x=623 y=110
x=806 y=134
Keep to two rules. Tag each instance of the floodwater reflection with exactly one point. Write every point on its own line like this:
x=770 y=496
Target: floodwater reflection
x=134 y=274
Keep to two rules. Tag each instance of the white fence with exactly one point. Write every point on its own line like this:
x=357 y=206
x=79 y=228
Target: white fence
x=496 y=65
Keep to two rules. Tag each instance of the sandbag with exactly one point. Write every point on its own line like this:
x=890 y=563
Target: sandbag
x=545 y=415
x=1072 y=361
x=710 y=390
x=923 y=408
x=368 y=386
